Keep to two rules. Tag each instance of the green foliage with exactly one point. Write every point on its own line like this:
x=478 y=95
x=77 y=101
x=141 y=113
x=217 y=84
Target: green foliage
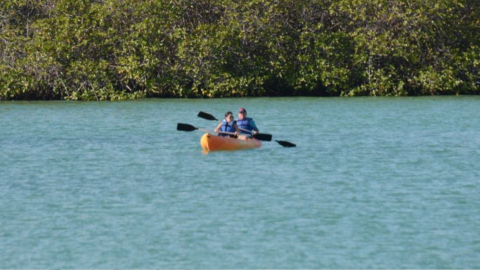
x=123 y=49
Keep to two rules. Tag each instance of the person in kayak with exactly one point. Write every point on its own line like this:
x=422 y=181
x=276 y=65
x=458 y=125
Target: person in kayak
x=228 y=125
x=245 y=124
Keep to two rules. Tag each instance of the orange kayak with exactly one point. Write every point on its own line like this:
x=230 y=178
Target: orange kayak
x=211 y=142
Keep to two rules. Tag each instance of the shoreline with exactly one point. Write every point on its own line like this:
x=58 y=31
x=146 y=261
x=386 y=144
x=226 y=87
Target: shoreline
x=246 y=97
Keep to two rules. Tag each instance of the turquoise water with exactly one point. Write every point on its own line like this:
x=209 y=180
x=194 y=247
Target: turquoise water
x=372 y=183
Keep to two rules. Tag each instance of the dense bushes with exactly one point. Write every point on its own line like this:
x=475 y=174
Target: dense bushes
x=118 y=49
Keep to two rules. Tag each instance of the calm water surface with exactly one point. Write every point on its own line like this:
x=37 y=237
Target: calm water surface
x=373 y=183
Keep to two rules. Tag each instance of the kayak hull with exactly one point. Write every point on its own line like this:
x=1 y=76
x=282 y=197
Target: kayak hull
x=211 y=142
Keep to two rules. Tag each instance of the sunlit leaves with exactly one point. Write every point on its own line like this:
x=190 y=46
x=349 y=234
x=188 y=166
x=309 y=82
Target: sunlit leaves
x=119 y=49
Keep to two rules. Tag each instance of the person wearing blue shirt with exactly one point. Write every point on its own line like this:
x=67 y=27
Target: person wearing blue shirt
x=245 y=124
x=227 y=125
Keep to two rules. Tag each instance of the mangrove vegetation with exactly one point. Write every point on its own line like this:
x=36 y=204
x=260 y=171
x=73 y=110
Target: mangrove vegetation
x=121 y=49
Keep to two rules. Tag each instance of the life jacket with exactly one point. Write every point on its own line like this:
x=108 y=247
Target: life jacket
x=244 y=124
x=226 y=127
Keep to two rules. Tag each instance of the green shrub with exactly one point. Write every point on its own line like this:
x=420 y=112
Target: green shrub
x=123 y=49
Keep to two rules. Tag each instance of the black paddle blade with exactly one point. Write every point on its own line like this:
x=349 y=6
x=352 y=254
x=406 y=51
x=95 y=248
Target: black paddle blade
x=263 y=137
x=286 y=144
x=207 y=116
x=185 y=127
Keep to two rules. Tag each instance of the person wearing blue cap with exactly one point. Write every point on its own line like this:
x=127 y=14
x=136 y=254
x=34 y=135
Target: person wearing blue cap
x=245 y=124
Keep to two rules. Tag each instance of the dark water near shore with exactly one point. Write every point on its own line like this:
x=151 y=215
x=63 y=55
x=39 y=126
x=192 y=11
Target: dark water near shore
x=372 y=183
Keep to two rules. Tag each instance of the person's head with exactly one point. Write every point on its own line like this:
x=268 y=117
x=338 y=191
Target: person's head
x=229 y=117
x=242 y=113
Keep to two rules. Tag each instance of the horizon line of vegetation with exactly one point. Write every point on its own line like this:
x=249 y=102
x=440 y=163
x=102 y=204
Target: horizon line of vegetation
x=126 y=49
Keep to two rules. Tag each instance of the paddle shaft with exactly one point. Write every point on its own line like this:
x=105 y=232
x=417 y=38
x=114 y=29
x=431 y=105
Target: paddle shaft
x=211 y=131
x=188 y=128
x=258 y=136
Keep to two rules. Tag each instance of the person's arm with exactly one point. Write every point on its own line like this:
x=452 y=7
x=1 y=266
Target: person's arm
x=217 y=129
x=254 y=127
x=237 y=130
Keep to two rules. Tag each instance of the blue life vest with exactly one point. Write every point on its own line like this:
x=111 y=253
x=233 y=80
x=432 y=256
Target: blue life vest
x=244 y=124
x=226 y=127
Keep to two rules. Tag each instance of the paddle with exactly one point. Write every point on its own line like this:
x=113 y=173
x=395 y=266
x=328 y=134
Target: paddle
x=207 y=116
x=258 y=136
x=286 y=144
x=188 y=128
x=185 y=127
